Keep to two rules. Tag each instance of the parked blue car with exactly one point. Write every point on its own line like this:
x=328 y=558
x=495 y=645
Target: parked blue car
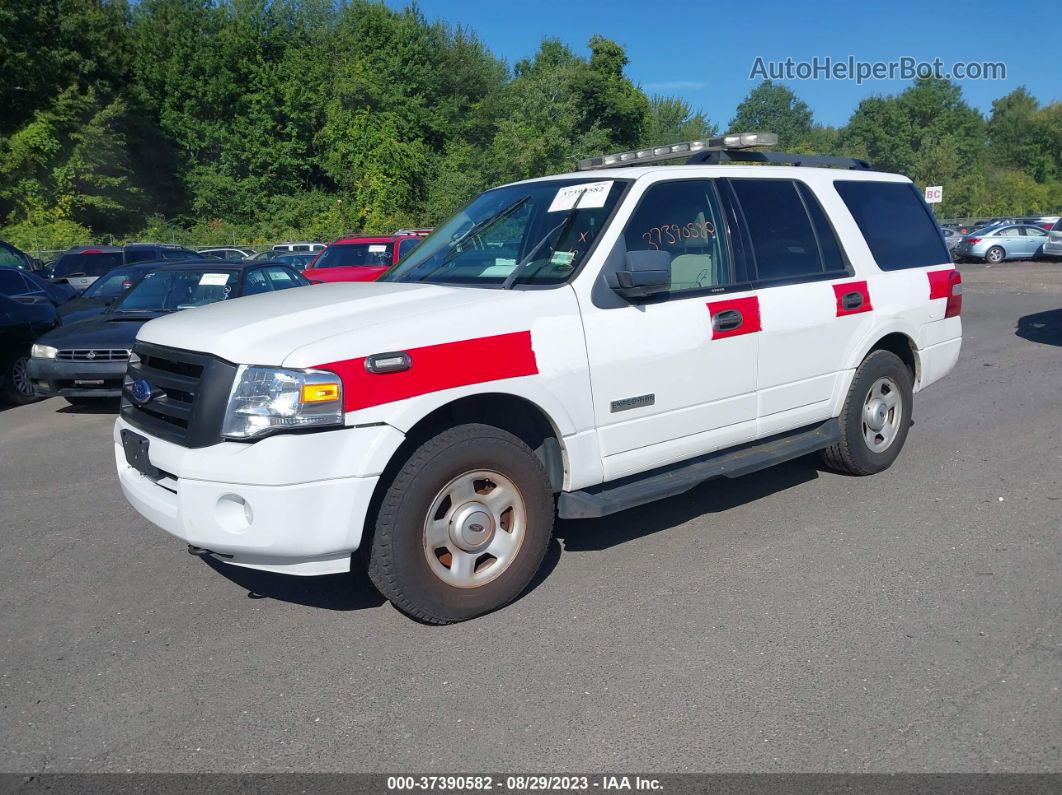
x=1002 y=242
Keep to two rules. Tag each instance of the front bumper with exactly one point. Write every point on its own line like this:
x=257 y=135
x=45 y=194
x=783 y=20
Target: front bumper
x=1053 y=248
x=76 y=379
x=290 y=503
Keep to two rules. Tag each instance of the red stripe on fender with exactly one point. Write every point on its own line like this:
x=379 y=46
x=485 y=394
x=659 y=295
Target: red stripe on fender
x=437 y=367
x=750 y=314
x=940 y=283
x=841 y=290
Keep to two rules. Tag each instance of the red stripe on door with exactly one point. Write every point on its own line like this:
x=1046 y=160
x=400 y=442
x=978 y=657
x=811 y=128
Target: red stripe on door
x=940 y=284
x=437 y=367
x=750 y=316
x=841 y=290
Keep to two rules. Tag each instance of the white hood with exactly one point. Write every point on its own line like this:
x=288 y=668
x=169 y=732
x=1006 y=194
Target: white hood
x=268 y=328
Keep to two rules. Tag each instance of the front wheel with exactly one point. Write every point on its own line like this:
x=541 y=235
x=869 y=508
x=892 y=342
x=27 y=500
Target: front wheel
x=463 y=527
x=875 y=418
x=17 y=386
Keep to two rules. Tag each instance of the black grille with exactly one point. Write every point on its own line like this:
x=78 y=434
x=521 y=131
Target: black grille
x=189 y=392
x=93 y=355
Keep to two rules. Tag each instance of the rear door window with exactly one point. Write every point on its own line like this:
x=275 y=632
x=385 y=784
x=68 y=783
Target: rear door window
x=785 y=242
x=283 y=279
x=898 y=227
x=256 y=282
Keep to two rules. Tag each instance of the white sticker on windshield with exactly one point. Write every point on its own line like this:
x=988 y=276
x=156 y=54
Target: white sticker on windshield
x=213 y=280
x=377 y=248
x=593 y=195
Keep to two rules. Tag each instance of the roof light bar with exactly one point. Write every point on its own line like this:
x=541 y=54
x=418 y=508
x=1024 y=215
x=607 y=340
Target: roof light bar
x=672 y=151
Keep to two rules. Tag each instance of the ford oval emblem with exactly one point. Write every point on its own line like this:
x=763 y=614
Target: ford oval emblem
x=141 y=391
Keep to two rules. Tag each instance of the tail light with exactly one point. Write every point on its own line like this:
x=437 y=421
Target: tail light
x=973 y=241
x=946 y=284
x=954 y=305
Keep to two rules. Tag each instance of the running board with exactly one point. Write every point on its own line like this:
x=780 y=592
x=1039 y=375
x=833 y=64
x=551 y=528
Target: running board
x=619 y=495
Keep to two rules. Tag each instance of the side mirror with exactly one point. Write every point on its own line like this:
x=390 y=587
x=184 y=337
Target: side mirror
x=645 y=273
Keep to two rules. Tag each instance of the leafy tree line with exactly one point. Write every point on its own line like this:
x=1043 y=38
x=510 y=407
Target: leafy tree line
x=214 y=120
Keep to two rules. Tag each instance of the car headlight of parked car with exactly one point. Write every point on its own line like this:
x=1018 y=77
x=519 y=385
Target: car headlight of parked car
x=270 y=399
x=43 y=352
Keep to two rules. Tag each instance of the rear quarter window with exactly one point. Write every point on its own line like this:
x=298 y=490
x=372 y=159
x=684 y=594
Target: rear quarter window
x=895 y=222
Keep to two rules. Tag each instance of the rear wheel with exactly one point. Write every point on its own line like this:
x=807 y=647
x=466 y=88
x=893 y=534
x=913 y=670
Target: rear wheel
x=18 y=388
x=995 y=254
x=875 y=418
x=463 y=527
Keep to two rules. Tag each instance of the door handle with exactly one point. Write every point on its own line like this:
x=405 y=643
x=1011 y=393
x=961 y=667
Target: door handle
x=852 y=300
x=730 y=320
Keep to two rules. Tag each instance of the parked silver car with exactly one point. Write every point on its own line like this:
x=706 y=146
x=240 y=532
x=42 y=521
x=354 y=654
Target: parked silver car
x=231 y=253
x=1053 y=244
x=1005 y=241
x=952 y=238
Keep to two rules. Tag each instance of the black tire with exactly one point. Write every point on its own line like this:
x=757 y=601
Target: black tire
x=995 y=255
x=14 y=374
x=398 y=563
x=852 y=455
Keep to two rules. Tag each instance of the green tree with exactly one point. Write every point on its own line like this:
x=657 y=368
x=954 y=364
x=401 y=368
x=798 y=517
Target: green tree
x=771 y=107
x=47 y=46
x=672 y=119
x=1016 y=136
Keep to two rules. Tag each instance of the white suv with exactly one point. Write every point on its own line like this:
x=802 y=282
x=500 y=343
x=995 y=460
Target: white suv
x=572 y=345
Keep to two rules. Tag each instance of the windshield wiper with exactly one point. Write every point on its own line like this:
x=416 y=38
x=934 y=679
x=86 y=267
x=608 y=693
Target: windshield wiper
x=479 y=228
x=562 y=226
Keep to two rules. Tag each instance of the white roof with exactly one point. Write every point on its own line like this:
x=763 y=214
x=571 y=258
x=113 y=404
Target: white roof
x=806 y=173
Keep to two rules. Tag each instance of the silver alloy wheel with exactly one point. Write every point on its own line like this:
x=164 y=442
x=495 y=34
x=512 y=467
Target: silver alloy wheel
x=20 y=377
x=882 y=414
x=474 y=528
x=995 y=254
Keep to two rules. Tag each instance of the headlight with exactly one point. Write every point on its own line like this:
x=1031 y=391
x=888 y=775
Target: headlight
x=266 y=399
x=43 y=352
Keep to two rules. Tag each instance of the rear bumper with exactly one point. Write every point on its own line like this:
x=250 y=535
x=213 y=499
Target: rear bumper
x=1053 y=248
x=273 y=517
x=76 y=379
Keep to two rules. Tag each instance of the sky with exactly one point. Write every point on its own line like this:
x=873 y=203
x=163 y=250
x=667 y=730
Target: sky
x=704 y=52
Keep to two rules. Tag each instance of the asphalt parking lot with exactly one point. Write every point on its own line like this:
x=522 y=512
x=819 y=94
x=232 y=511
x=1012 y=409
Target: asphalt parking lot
x=792 y=620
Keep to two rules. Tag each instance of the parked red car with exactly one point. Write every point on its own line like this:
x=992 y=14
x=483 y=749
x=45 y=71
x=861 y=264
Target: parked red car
x=362 y=259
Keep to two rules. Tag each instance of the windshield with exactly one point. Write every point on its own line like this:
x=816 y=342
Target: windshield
x=168 y=291
x=86 y=264
x=112 y=284
x=544 y=227
x=356 y=255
